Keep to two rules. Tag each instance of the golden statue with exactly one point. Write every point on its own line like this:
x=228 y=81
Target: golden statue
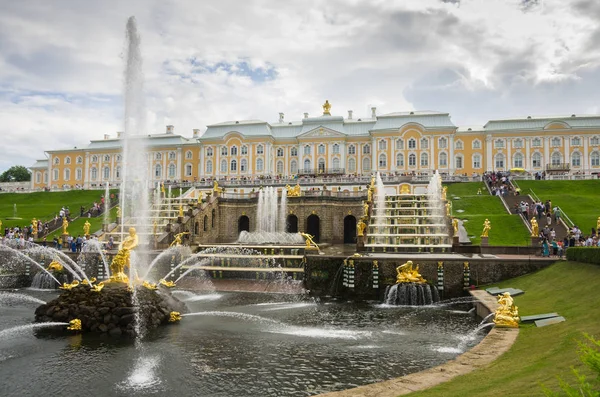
x=178 y=239
x=1 y=224
x=68 y=287
x=154 y=227
x=408 y=274
x=360 y=227
x=119 y=212
x=200 y=195
x=507 y=314
x=455 y=226
x=293 y=191
x=597 y=224
x=34 y=225
x=150 y=286
x=535 y=228
x=310 y=243
x=326 y=108
x=86 y=228
x=98 y=287
x=65 y=224
x=174 y=317
x=448 y=208
x=369 y=195
x=54 y=266
x=180 y=211
x=404 y=189
x=366 y=209
x=74 y=325
x=168 y=284
x=122 y=259
x=216 y=187
x=162 y=188
x=372 y=185
x=85 y=282
x=479 y=191
x=487 y=226
x=444 y=192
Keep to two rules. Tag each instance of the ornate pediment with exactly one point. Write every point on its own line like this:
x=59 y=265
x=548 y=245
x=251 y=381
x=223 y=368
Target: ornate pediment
x=322 y=132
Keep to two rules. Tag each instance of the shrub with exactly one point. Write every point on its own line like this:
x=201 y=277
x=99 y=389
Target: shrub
x=584 y=254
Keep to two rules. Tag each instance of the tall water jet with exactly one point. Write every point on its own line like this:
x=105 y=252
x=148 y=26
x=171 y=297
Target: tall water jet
x=283 y=211
x=106 y=204
x=266 y=214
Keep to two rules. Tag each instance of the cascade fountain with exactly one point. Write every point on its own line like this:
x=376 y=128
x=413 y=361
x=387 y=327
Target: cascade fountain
x=106 y=204
x=409 y=222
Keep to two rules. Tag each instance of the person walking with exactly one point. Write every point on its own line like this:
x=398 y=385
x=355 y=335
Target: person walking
x=557 y=214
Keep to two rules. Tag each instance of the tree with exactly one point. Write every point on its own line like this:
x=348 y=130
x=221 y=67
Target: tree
x=16 y=173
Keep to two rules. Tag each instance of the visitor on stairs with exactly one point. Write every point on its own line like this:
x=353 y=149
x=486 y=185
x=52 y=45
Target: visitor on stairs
x=557 y=215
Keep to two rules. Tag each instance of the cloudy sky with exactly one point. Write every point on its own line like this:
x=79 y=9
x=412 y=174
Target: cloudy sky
x=61 y=62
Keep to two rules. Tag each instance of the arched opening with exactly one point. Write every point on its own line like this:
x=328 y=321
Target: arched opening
x=291 y=224
x=313 y=227
x=212 y=219
x=350 y=230
x=205 y=228
x=196 y=228
x=243 y=224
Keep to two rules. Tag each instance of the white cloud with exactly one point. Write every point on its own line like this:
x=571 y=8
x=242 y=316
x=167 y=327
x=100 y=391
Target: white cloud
x=61 y=70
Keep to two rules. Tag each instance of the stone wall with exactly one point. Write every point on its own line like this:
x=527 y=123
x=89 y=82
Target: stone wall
x=323 y=275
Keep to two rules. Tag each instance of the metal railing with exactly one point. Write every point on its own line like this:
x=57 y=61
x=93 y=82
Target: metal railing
x=558 y=167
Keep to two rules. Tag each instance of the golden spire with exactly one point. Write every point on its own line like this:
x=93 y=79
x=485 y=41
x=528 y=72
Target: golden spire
x=326 y=107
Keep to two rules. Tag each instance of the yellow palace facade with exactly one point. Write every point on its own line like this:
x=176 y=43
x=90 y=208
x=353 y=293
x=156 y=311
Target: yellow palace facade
x=395 y=143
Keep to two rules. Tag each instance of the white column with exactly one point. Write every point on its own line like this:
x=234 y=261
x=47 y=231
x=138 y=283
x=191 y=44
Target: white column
x=250 y=162
x=451 y=162
x=86 y=169
x=509 y=163
x=586 y=161
x=49 y=183
x=546 y=151
x=179 y=164
x=489 y=158
x=165 y=171
x=567 y=145
x=374 y=154
x=526 y=161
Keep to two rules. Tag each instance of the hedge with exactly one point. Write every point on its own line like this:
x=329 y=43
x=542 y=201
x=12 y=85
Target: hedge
x=584 y=254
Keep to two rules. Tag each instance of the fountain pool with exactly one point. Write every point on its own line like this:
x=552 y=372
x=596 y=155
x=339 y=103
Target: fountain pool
x=236 y=344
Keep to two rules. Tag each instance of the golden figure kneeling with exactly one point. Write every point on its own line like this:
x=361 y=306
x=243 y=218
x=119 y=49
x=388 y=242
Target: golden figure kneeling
x=507 y=314
x=122 y=259
x=409 y=274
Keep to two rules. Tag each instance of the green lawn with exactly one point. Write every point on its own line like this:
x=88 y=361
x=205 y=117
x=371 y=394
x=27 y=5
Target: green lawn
x=579 y=199
x=44 y=205
x=507 y=229
x=539 y=355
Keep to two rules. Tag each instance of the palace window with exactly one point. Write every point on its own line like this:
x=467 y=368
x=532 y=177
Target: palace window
x=38 y=177
x=260 y=149
x=536 y=142
x=424 y=143
x=172 y=155
x=400 y=160
x=209 y=152
x=400 y=144
x=321 y=149
x=158 y=171
x=595 y=157
x=366 y=164
x=279 y=152
x=78 y=174
x=458 y=145
x=476 y=144
x=412 y=143
x=244 y=150
x=499 y=160
x=412 y=160
x=517 y=143
x=424 y=160
x=171 y=170
x=234 y=151
x=594 y=141
x=442 y=143
x=56 y=161
x=476 y=161
x=336 y=163
x=351 y=149
x=382 y=145
x=244 y=165
x=294 y=152
x=307 y=150
x=118 y=173
x=306 y=165
x=94 y=159
x=224 y=150
x=233 y=166
x=536 y=160
x=67 y=174
x=576 y=141
x=351 y=165
x=576 y=159
x=188 y=154
x=518 y=160
x=443 y=160
x=294 y=167
x=67 y=160
x=106 y=173
x=335 y=149
x=556 y=141
x=458 y=162
x=382 y=161
x=279 y=167
x=209 y=168
x=555 y=159
x=188 y=170
x=223 y=166
x=367 y=149
x=260 y=165
x=157 y=156
x=499 y=144
x=119 y=158
x=321 y=165
x=79 y=160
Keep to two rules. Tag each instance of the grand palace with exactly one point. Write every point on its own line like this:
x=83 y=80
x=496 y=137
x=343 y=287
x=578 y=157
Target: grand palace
x=393 y=143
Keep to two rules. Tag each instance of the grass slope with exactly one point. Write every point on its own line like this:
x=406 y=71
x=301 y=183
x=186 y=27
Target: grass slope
x=579 y=199
x=540 y=354
x=44 y=205
x=507 y=229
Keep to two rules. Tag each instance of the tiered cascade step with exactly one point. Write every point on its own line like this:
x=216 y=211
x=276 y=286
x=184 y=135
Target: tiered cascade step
x=408 y=223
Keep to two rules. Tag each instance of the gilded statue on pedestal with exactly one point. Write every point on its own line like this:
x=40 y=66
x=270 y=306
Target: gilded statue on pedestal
x=178 y=239
x=216 y=187
x=34 y=225
x=181 y=211
x=409 y=274
x=455 y=226
x=293 y=191
x=310 y=243
x=360 y=227
x=535 y=228
x=448 y=208
x=55 y=266
x=326 y=108
x=86 y=228
x=122 y=259
x=507 y=314
x=444 y=192
x=366 y=209
x=404 y=189
x=65 y=224
x=487 y=226
x=369 y=195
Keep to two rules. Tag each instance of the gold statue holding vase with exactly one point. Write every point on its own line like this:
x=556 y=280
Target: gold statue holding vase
x=123 y=258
